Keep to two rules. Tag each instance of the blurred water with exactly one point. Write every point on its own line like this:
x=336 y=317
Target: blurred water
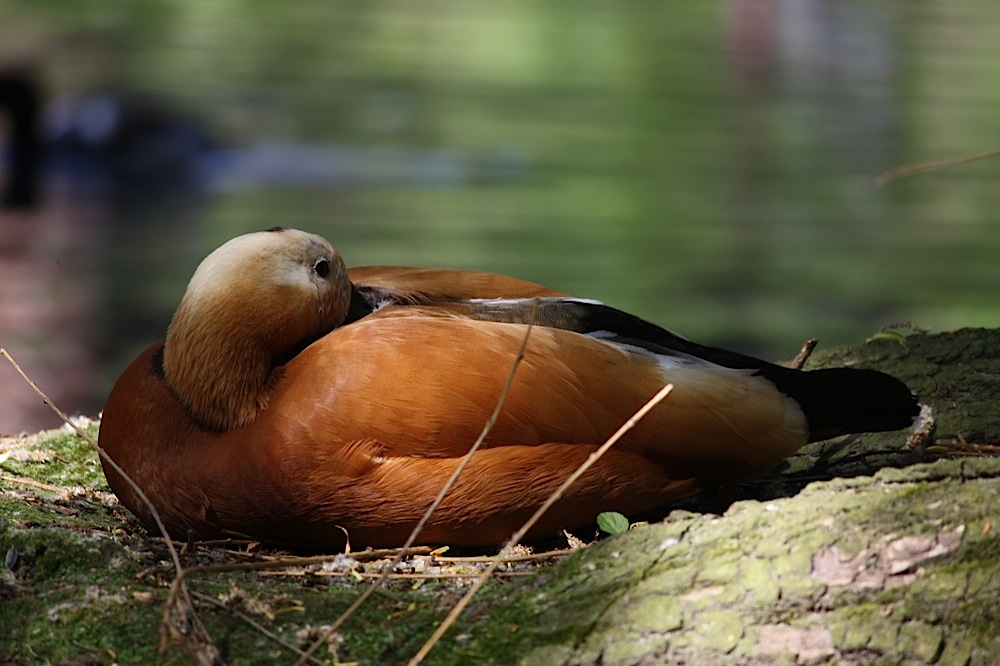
x=710 y=167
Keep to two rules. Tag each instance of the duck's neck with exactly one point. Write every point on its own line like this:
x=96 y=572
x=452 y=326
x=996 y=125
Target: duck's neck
x=221 y=369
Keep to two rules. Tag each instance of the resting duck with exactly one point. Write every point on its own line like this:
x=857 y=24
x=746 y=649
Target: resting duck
x=295 y=400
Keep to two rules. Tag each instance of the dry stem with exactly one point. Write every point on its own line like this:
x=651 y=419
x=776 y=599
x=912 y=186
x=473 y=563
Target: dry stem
x=256 y=625
x=932 y=165
x=807 y=349
x=553 y=498
x=206 y=645
x=487 y=427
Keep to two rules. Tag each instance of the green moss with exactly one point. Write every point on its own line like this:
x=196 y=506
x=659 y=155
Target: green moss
x=850 y=630
x=107 y=629
x=69 y=595
x=982 y=550
x=101 y=615
x=716 y=631
x=659 y=613
x=50 y=553
x=618 y=649
x=921 y=641
x=759 y=582
x=59 y=459
x=721 y=569
x=956 y=650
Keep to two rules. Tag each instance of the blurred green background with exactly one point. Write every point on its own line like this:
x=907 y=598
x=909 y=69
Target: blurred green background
x=709 y=166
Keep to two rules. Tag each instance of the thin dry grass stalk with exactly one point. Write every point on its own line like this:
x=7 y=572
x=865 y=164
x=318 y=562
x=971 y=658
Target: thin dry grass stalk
x=516 y=539
x=31 y=483
x=807 y=349
x=445 y=489
x=179 y=618
x=257 y=626
x=932 y=165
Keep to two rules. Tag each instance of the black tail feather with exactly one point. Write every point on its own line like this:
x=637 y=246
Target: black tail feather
x=838 y=401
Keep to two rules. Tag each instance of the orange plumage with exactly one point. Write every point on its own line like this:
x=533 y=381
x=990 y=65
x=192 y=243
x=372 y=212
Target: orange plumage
x=294 y=399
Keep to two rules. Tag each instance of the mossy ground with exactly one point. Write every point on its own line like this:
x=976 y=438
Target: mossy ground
x=854 y=551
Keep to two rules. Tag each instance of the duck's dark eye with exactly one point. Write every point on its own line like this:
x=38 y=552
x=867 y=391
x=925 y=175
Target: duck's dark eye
x=322 y=267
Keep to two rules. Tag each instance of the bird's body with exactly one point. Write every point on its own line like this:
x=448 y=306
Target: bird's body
x=299 y=401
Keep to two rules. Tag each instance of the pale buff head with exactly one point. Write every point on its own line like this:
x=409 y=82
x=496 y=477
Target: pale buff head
x=249 y=306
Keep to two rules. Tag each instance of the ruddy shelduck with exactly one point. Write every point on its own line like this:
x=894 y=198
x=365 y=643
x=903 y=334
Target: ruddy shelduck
x=296 y=401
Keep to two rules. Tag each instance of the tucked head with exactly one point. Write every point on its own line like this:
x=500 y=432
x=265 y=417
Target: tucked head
x=249 y=305
x=288 y=273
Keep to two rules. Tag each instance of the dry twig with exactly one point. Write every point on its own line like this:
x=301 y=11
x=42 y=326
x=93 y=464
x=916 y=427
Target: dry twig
x=256 y=625
x=445 y=489
x=932 y=165
x=516 y=539
x=31 y=482
x=923 y=431
x=506 y=559
x=204 y=648
x=444 y=575
x=807 y=349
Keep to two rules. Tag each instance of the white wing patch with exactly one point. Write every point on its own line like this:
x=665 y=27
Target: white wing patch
x=666 y=362
x=528 y=301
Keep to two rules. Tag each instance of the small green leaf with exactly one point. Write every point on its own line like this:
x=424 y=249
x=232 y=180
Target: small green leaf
x=612 y=522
